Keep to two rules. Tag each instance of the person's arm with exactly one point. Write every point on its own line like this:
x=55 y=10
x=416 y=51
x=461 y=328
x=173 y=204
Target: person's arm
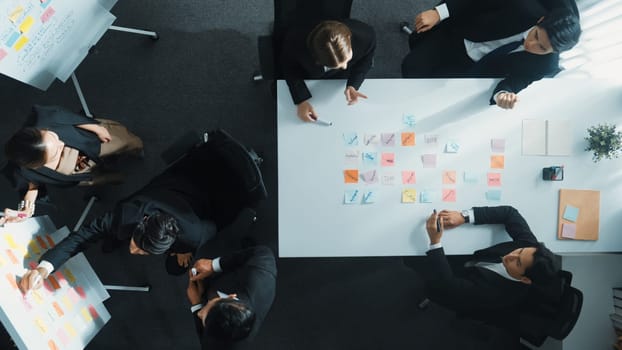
x=514 y=223
x=101 y=132
x=25 y=209
x=364 y=37
x=293 y=71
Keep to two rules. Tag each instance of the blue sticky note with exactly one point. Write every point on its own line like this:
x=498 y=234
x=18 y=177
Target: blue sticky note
x=370 y=158
x=12 y=39
x=409 y=120
x=351 y=197
x=369 y=197
x=428 y=196
x=470 y=177
x=571 y=213
x=493 y=195
x=350 y=139
x=452 y=147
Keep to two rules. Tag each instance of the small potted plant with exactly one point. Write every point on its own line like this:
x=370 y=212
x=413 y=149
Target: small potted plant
x=604 y=141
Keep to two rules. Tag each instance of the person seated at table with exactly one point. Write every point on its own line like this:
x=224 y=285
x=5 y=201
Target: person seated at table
x=519 y=41
x=62 y=148
x=231 y=296
x=171 y=215
x=326 y=50
x=494 y=283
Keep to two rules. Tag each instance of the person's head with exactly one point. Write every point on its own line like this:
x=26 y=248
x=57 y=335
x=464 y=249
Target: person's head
x=154 y=234
x=531 y=264
x=32 y=147
x=227 y=319
x=558 y=31
x=330 y=44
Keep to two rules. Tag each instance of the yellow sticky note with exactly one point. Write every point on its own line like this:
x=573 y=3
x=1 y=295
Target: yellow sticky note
x=34 y=247
x=67 y=303
x=497 y=162
x=86 y=315
x=70 y=277
x=14 y=15
x=20 y=43
x=72 y=331
x=37 y=297
x=40 y=325
x=2 y=262
x=26 y=24
x=409 y=195
x=10 y=241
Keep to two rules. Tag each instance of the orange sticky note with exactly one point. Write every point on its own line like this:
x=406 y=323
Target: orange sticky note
x=351 y=176
x=449 y=177
x=52 y=345
x=494 y=179
x=50 y=241
x=12 y=257
x=53 y=282
x=11 y=278
x=497 y=162
x=93 y=312
x=41 y=242
x=388 y=159
x=408 y=177
x=449 y=195
x=58 y=309
x=408 y=139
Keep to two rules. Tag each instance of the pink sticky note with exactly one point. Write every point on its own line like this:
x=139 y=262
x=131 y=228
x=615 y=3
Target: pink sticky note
x=62 y=336
x=449 y=195
x=569 y=230
x=408 y=177
x=81 y=292
x=47 y=14
x=2 y=54
x=429 y=160
x=388 y=159
x=73 y=295
x=494 y=179
x=497 y=145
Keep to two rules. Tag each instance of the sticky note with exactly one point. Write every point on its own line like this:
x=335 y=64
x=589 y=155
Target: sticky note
x=428 y=196
x=15 y=14
x=408 y=139
x=350 y=139
x=9 y=240
x=72 y=331
x=370 y=139
x=40 y=325
x=86 y=315
x=571 y=213
x=497 y=145
x=12 y=257
x=69 y=276
x=73 y=295
x=497 y=162
x=52 y=345
x=41 y=242
x=388 y=159
x=93 y=312
x=26 y=24
x=2 y=261
x=12 y=39
x=37 y=297
x=429 y=160
x=60 y=278
x=452 y=147
x=370 y=158
x=449 y=177
x=409 y=120
x=431 y=139
x=471 y=177
x=20 y=43
x=569 y=230
x=494 y=179
x=34 y=248
x=388 y=179
x=409 y=195
x=81 y=292
x=369 y=197
x=50 y=241
x=45 y=3
x=408 y=177
x=370 y=177
x=67 y=303
x=58 y=309
x=449 y=195
x=2 y=54
x=493 y=195
x=351 y=176
x=60 y=334
x=12 y=282
x=387 y=139
x=47 y=15
x=351 y=197
x=53 y=282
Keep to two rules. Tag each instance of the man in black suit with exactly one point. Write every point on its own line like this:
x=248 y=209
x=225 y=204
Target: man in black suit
x=493 y=284
x=517 y=40
x=231 y=296
x=326 y=50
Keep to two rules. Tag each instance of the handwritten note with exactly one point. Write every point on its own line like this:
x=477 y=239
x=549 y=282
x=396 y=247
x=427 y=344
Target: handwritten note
x=409 y=195
x=408 y=120
x=408 y=139
x=494 y=179
x=47 y=14
x=352 y=157
x=571 y=213
x=452 y=147
x=350 y=139
x=351 y=197
x=370 y=139
x=497 y=145
x=471 y=177
x=388 y=179
x=408 y=177
x=569 y=230
x=388 y=139
x=429 y=160
x=351 y=176
x=370 y=177
x=449 y=177
x=497 y=162
x=388 y=159
x=431 y=139
x=493 y=195
x=449 y=195
x=369 y=197
x=370 y=158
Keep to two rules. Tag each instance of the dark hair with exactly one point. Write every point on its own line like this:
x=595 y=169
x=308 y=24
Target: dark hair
x=26 y=148
x=545 y=265
x=229 y=319
x=156 y=233
x=329 y=43
x=563 y=29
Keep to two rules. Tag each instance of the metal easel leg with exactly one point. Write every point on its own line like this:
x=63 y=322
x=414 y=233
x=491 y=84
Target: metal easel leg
x=76 y=84
x=126 y=288
x=151 y=34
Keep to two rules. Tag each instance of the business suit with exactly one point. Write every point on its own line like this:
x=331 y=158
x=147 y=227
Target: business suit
x=440 y=52
x=477 y=292
x=298 y=63
x=249 y=273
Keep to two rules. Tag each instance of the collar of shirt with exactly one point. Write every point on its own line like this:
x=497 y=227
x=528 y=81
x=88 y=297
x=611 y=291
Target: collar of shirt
x=477 y=50
x=497 y=268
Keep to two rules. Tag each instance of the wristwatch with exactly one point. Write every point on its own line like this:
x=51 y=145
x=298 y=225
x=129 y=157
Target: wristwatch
x=465 y=215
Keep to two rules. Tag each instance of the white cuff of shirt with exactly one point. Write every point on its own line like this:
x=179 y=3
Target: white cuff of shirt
x=196 y=307
x=47 y=266
x=436 y=245
x=216 y=265
x=497 y=95
x=472 y=216
x=443 y=11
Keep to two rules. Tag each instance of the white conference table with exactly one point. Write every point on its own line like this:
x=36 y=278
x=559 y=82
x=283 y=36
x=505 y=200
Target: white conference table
x=315 y=222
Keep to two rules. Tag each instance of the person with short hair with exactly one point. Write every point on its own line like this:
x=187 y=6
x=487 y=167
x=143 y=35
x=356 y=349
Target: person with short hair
x=326 y=49
x=496 y=280
x=517 y=40
x=231 y=295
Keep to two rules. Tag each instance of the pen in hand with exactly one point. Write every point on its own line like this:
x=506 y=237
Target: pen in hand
x=438 y=222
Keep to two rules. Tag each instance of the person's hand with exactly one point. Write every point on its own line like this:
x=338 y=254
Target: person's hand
x=352 y=95
x=210 y=304
x=430 y=225
x=195 y=290
x=306 y=112
x=507 y=100
x=183 y=259
x=12 y=216
x=32 y=279
x=204 y=269
x=426 y=20
x=451 y=219
x=103 y=134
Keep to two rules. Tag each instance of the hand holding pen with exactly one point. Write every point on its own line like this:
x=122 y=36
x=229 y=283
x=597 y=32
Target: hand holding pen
x=434 y=226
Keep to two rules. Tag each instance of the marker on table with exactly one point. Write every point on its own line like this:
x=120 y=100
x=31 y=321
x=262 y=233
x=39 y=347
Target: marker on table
x=438 y=222
x=193 y=271
x=323 y=122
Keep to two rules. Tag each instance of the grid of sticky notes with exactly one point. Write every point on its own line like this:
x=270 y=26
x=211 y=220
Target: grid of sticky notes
x=569 y=222
x=497 y=164
x=24 y=20
x=60 y=312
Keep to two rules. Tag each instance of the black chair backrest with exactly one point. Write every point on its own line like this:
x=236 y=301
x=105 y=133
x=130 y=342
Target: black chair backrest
x=569 y=310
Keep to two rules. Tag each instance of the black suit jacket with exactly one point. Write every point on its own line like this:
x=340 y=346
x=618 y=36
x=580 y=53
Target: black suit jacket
x=251 y=274
x=298 y=62
x=478 y=292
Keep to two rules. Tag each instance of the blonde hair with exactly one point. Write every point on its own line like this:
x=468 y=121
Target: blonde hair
x=330 y=43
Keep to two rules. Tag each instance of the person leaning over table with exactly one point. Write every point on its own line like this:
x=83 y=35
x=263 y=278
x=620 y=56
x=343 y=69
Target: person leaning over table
x=62 y=148
x=493 y=285
x=231 y=295
x=517 y=40
x=326 y=50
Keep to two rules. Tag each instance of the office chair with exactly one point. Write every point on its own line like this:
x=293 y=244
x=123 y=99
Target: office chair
x=287 y=12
